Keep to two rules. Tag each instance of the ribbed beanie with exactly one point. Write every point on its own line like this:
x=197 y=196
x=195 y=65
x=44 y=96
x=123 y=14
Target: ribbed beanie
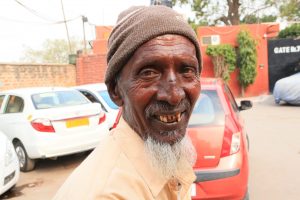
x=136 y=26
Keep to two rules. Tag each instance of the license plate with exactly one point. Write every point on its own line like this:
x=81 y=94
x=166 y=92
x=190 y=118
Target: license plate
x=77 y=122
x=193 y=190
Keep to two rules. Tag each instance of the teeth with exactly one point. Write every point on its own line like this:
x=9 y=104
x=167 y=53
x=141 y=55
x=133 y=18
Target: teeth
x=170 y=118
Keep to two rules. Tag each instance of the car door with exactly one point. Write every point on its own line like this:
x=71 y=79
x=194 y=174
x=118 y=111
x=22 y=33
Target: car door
x=2 y=102
x=233 y=107
x=11 y=118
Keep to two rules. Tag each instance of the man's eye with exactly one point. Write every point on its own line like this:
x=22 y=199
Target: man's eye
x=189 y=71
x=148 y=73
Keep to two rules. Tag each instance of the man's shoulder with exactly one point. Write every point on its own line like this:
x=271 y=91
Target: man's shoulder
x=92 y=174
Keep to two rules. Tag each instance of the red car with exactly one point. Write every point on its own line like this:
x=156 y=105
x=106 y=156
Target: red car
x=217 y=132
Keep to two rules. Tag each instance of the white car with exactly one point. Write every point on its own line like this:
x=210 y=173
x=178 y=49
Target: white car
x=97 y=92
x=46 y=122
x=288 y=90
x=9 y=165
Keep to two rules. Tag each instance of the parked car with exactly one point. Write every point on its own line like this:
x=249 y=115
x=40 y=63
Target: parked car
x=217 y=132
x=97 y=92
x=46 y=122
x=9 y=165
x=288 y=90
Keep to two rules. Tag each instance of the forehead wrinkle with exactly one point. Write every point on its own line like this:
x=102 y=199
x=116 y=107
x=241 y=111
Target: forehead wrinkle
x=163 y=51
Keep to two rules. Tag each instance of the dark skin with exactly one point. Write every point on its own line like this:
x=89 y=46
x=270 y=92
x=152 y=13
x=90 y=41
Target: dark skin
x=158 y=88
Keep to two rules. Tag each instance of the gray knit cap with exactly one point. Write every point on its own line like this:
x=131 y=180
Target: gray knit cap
x=136 y=26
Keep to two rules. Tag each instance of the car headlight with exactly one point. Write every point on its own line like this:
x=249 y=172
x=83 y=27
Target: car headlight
x=9 y=153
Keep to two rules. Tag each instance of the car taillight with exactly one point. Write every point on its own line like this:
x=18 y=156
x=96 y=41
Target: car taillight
x=231 y=140
x=102 y=118
x=42 y=125
x=117 y=118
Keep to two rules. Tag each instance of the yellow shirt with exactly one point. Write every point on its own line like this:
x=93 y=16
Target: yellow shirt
x=118 y=169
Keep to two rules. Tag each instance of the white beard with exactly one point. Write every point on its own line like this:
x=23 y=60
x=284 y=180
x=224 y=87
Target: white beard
x=166 y=158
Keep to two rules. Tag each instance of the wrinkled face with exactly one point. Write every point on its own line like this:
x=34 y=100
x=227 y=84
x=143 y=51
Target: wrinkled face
x=158 y=88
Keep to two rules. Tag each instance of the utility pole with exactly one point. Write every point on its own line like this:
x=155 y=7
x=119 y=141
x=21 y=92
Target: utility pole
x=167 y=3
x=63 y=11
x=84 y=19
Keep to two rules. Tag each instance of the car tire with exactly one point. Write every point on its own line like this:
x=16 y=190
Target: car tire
x=247 y=195
x=248 y=142
x=26 y=164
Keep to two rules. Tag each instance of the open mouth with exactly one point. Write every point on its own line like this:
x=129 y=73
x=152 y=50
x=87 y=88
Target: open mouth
x=169 y=118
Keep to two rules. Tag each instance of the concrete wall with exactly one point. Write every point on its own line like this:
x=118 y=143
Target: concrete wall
x=31 y=75
x=228 y=35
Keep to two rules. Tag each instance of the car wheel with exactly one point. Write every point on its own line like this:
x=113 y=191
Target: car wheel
x=26 y=163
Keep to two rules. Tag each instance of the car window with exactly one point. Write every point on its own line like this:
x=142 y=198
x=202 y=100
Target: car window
x=58 y=99
x=15 y=104
x=90 y=96
x=104 y=94
x=208 y=110
x=232 y=101
x=1 y=100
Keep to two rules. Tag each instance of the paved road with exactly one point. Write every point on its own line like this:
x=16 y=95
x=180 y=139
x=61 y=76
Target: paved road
x=274 y=133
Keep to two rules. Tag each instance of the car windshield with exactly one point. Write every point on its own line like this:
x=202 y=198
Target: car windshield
x=208 y=110
x=58 y=99
x=104 y=94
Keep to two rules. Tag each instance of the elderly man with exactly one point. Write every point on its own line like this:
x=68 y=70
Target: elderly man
x=154 y=75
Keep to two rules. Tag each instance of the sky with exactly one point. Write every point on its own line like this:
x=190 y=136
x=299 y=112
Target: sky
x=28 y=23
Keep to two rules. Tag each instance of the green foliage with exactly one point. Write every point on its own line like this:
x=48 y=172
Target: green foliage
x=247 y=58
x=292 y=31
x=291 y=10
x=214 y=12
x=253 y=19
x=224 y=59
x=53 y=51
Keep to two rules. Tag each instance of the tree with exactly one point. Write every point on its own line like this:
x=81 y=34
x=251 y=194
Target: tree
x=291 y=10
x=229 y=12
x=254 y=19
x=53 y=51
x=223 y=58
x=247 y=59
x=292 y=31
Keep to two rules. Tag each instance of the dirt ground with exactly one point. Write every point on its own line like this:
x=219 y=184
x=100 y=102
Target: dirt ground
x=274 y=132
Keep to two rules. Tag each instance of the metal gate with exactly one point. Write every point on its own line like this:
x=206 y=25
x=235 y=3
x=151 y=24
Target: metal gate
x=283 y=59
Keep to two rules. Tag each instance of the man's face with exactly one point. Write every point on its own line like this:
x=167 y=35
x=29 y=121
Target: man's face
x=159 y=86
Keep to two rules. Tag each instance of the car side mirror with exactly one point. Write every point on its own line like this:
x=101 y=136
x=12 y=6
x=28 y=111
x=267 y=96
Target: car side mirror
x=245 y=105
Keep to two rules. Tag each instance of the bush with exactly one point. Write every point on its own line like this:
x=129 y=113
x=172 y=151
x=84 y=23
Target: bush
x=247 y=59
x=224 y=60
x=292 y=31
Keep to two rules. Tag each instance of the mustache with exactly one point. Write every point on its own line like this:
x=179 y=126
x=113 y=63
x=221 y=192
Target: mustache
x=165 y=107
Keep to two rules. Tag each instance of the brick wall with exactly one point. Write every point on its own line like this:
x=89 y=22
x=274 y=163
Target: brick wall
x=30 y=75
x=90 y=68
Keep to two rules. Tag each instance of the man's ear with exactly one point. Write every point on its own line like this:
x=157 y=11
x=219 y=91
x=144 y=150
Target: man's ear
x=114 y=93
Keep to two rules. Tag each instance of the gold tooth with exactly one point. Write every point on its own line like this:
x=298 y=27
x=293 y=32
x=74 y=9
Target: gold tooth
x=165 y=119
x=178 y=117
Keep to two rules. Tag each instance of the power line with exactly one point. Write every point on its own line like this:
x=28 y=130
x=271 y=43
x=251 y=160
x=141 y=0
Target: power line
x=38 y=23
x=34 y=12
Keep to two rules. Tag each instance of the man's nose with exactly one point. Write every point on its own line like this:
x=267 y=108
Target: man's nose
x=170 y=90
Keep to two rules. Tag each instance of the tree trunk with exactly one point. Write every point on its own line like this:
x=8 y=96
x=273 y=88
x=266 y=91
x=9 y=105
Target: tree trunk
x=242 y=91
x=233 y=12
